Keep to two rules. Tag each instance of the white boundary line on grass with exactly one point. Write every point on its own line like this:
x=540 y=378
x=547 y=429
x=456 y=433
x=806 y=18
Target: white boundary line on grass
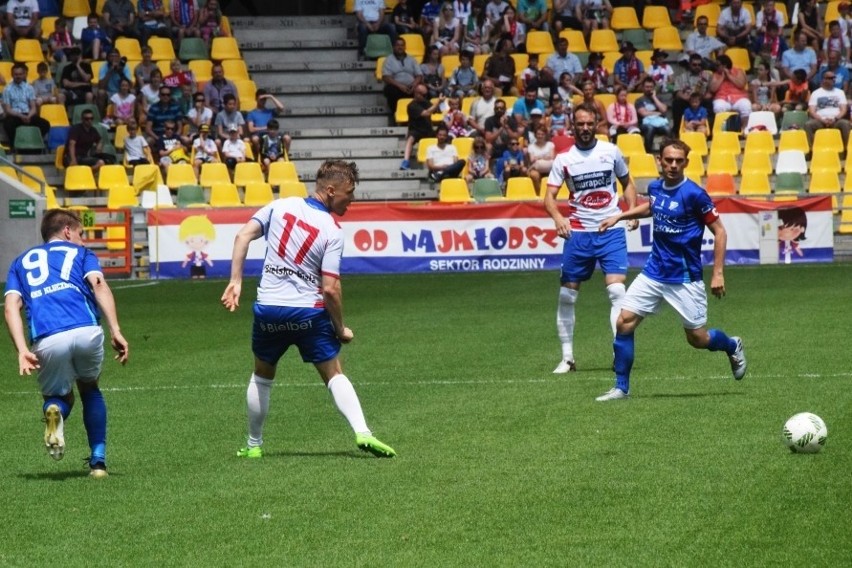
x=140 y=285
x=429 y=383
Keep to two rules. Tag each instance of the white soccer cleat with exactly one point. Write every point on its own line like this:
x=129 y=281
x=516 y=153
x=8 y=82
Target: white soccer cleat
x=738 y=360
x=612 y=394
x=565 y=366
x=54 y=432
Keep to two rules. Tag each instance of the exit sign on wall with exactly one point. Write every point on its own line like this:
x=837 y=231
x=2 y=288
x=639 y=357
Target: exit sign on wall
x=22 y=209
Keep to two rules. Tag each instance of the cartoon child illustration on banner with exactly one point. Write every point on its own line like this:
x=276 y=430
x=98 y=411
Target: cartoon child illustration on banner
x=792 y=224
x=197 y=232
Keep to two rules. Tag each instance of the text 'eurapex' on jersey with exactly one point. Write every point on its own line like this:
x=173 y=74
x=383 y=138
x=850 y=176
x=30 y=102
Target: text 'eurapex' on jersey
x=51 y=279
x=303 y=243
x=680 y=215
x=591 y=176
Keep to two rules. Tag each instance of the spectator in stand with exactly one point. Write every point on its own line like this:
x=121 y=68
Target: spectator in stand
x=628 y=71
x=764 y=96
x=621 y=115
x=76 y=79
x=836 y=41
x=431 y=11
x=229 y=118
x=512 y=28
x=143 y=70
x=482 y=107
x=662 y=74
x=85 y=146
x=512 y=163
x=500 y=68
x=652 y=114
x=798 y=93
x=204 y=150
x=218 y=87
x=210 y=22
x=122 y=105
x=456 y=120
x=477 y=30
x=150 y=93
x=594 y=14
x=536 y=120
x=524 y=106
x=500 y=129
x=258 y=119
x=442 y=158
x=801 y=56
x=199 y=115
x=274 y=146
x=446 y=34
x=136 y=148
x=559 y=120
x=233 y=149
x=184 y=20
x=110 y=77
x=594 y=72
x=734 y=25
x=19 y=104
x=119 y=18
x=809 y=23
x=60 y=40
x=22 y=20
x=564 y=61
x=841 y=72
x=402 y=19
x=420 y=111
x=828 y=108
x=45 y=88
x=169 y=147
x=400 y=74
x=530 y=75
x=600 y=111
x=94 y=40
x=371 y=20
x=695 y=117
x=152 y=19
x=479 y=162
x=540 y=155
x=533 y=14
x=696 y=79
x=494 y=11
x=161 y=112
x=565 y=15
x=433 y=72
x=462 y=9
x=182 y=83
x=729 y=87
x=766 y=15
x=698 y=42
x=463 y=80
x=770 y=46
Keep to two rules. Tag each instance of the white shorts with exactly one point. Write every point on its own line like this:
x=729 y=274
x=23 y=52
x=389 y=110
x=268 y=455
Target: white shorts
x=76 y=354
x=689 y=300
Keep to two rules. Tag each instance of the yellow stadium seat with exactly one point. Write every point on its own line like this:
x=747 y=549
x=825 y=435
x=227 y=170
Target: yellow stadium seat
x=414 y=45
x=201 y=69
x=576 y=40
x=28 y=50
x=825 y=161
x=697 y=142
x=55 y=114
x=828 y=139
x=631 y=144
x=147 y=172
x=74 y=8
x=602 y=41
x=727 y=143
x=112 y=175
x=739 y=57
x=180 y=174
x=710 y=11
x=720 y=163
x=246 y=92
x=129 y=47
x=258 y=194
x=212 y=174
x=667 y=38
x=120 y=135
x=401 y=114
x=116 y=238
x=96 y=69
x=79 y=178
x=281 y=171
x=824 y=182
x=424 y=145
x=646 y=57
x=450 y=64
x=756 y=162
x=605 y=99
x=539 y=42
x=292 y=188
x=719 y=123
x=794 y=140
x=464 y=146
x=608 y=61
x=224 y=195
x=379 y=63
x=37 y=173
x=721 y=184
x=624 y=18
x=235 y=69
x=845 y=227
x=479 y=63
x=754 y=183
x=48 y=26
x=656 y=17
x=832 y=11
x=643 y=166
x=520 y=189
x=760 y=141
x=246 y=173
x=120 y=196
x=162 y=48
x=695 y=167
x=453 y=190
x=522 y=60
x=165 y=67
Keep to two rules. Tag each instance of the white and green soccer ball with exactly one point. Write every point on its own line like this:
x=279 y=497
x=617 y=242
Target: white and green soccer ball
x=804 y=433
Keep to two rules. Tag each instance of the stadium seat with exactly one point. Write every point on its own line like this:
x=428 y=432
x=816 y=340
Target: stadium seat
x=414 y=45
x=710 y=11
x=48 y=26
x=224 y=195
x=129 y=47
x=608 y=62
x=121 y=196
x=824 y=182
x=643 y=166
x=112 y=175
x=754 y=184
x=159 y=198
x=292 y=188
x=378 y=45
x=576 y=41
x=845 y=227
x=719 y=123
x=59 y=158
x=695 y=167
x=791 y=161
x=646 y=57
x=825 y=160
x=163 y=50
x=50 y=196
x=147 y=175
x=28 y=139
x=258 y=194
x=424 y=145
x=720 y=163
x=116 y=238
x=248 y=172
x=739 y=58
x=522 y=60
x=789 y=183
x=795 y=119
x=450 y=63
x=762 y=120
x=760 y=141
x=401 y=114
x=655 y=17
x=190 y=195
x=247 y=93
x=281 y=171
x=180 y=174
x=520 y=189
x=464 y=146
x=639 y=38
x=697 y=142
x=192 y=48
x=34 y=172
x=120 y=135
x=726 y=143
x=28 y=51
x=75 y=8
x=667 y=38
x=828 y=139
x=201 y=69
x=631 y=144
x=624 y=18
x=55 y=114
x=454 y=190
x=78 y=24
x=79 y=178
x=212 y=174
x=602 y=41
x=721 y=184
x=236 y=70
x=485 y=189
x=539 y=42
x=757 y=162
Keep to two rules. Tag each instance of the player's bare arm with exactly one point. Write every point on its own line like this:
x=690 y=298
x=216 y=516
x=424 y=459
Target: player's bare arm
x=637 y=212
x=249 y=232
x=563 y=229
x=630 y=199
x=106 y=303
x=332 y=293
x=720 y=245
x=27 y=360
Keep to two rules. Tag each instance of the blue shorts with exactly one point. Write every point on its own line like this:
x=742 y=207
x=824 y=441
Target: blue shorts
x=276 y=328
x=586 y=248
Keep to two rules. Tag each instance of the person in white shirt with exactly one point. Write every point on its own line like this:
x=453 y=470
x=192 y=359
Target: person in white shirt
x=442 y=159
x=204 y=150
x=734 y=25
x=371 y=20
x=22 y=20
x=827 y=108
x=766 y=15
x=233 y=148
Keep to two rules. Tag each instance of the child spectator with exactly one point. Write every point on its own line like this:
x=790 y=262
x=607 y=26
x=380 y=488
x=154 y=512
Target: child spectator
x=233 y=149
x=455 y=119
x=45 y=88
x=136 y=149
x=558 y=122
x=836 y=41
x=210 y=22
x=60 y=40
x=143 y=70
x=511 y=163
x=478 y=163
x=661 y=72
x=204 y=149
x=273 y=146
x=531 y=72
x=199 y=115
x=122 y=105
x=596 y=73
x=695 y=117
x=94 y=40
x=182 y=84
x=464 y=81
x=150 y=93
x=169 y=148
x=798 y=92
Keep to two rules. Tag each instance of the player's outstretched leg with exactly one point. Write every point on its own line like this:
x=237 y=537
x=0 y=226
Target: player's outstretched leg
x=565 y=329
x=733 y=346
x=624 y=350
x=55 y=410
x=346 y=400
x=257 y=404
x=95 y=421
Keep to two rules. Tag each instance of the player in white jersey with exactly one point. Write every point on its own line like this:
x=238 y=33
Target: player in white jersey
x=299 y=299
x=62 y=289
x=590 y=170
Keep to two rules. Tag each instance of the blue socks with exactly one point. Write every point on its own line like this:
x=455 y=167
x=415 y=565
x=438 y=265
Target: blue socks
x=64 y=409
x=719 y=341
x=623 y=346
x=95 y=420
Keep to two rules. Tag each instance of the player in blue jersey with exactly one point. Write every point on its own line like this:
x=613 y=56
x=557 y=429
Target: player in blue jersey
x=299 y=299
x=62 y=288
x=681 y=210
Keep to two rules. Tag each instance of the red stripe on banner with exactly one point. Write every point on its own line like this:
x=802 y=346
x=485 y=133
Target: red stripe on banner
x=739 y=205
x=217 y=216
x=438 y=212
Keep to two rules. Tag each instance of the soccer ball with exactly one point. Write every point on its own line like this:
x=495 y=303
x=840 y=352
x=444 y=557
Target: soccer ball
x=804 y=433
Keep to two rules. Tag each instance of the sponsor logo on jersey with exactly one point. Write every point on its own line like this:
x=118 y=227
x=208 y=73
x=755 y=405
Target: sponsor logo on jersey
x=595 y=199
x=286 y=326
x=283 y=272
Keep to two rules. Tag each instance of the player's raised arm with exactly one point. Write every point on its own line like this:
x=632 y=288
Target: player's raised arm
x=629 y=198
x=106 y=303
x=720 y=245
x=249 y=232
x=637 y=212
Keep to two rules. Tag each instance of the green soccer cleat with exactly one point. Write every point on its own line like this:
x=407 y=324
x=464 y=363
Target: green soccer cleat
x=252 y=452
x=374 y=446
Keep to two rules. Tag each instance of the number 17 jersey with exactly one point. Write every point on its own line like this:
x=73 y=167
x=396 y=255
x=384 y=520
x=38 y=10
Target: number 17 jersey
x=303 y=244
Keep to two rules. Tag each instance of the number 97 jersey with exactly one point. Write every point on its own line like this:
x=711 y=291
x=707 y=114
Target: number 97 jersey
x=303 y=244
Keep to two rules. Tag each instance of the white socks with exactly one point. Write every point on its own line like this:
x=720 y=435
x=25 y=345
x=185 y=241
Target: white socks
x=565 y=321
x=348 y=404
x=616 y=295
x=257 y=401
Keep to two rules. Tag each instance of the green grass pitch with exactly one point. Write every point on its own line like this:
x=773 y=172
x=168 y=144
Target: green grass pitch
x=500 y=462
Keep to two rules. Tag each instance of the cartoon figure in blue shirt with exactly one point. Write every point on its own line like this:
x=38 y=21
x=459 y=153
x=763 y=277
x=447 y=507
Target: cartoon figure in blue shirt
x=681 y=210
x=63 y=291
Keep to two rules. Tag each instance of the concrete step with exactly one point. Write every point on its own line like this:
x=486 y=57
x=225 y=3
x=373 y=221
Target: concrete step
x=394 y=190
x=342 y=152
x=277 y=84
x=334 y=133
x=376 y=145
x=352 y=103
x=323 y=111
x=292 y=24
x=370 y=168
x=298 y=122
x=298 y=57
x=266 y=40
x=270 y=62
